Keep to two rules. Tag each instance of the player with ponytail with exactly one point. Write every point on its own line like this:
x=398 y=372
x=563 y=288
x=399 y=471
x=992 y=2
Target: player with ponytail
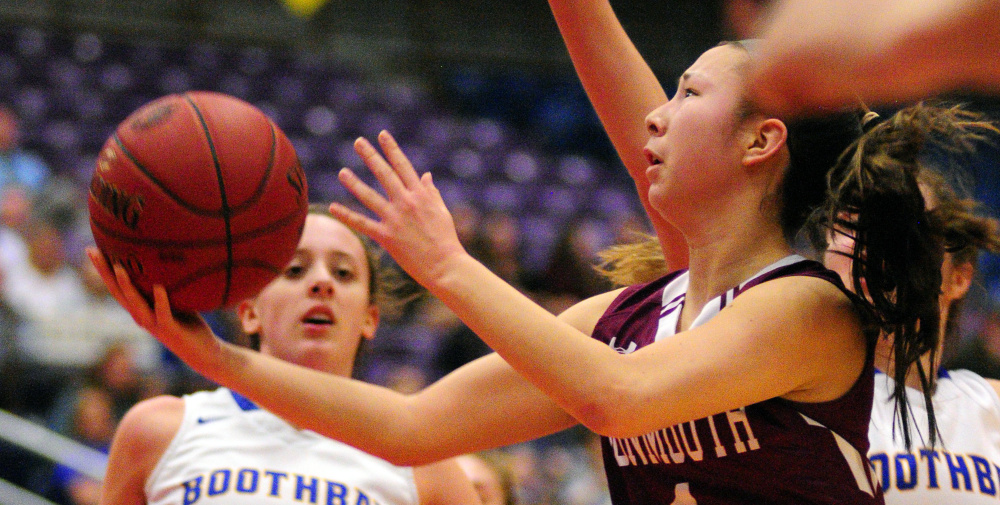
x=922 y=413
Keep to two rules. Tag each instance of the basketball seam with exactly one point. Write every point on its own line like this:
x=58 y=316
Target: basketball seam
x=195 y=276
x=236 y=239
x=156 y=182
x=226 y=212
x=264 y=179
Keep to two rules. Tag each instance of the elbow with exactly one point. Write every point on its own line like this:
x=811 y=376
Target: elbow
x=608 y=424
x=607 y=413
x=627 y=407
x=596 y=418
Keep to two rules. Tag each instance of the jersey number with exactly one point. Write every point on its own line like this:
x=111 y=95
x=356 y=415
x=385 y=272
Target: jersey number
x=682 y=495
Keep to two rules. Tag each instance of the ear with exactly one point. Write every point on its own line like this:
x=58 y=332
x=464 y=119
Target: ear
x=765 y=142
x=370 y=323
x=249 y=319
x=957 y=286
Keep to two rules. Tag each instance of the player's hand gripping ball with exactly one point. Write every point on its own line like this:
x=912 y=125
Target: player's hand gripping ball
x=201 y=193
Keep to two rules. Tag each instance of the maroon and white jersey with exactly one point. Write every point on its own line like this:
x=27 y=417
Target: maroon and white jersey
x=774 y=452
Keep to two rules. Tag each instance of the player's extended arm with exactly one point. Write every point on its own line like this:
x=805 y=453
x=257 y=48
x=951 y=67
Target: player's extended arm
x=623 y=90
x=748 y=354
x=140 y=441
x=832 y=52
x=483 y=405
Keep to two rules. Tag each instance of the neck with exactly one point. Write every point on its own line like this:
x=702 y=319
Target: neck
x=726 y=256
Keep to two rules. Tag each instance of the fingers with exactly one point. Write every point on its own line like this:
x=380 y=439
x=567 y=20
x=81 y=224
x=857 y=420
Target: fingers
x=355 y=220
x=386 y=174
x=132 y=300
x=363 y=192
x=397 y=176
x=104 y=270
x=398 y=160
x=161 y=304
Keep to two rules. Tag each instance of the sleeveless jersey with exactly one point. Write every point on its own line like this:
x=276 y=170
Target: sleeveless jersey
x=964 y=465
x=773 y=452
x=230 y=452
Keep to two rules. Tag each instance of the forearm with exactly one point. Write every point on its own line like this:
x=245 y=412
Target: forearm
x=467 y=411
x=954 y=45
x=578 y=373
x=619 y=83
x=622 y=89
x=374 y=419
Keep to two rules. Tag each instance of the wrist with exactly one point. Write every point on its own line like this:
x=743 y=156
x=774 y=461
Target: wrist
x=446 y=270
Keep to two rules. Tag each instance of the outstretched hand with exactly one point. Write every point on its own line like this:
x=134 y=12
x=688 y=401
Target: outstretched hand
x=833 y=52
x=185 y=333
x=414 y=225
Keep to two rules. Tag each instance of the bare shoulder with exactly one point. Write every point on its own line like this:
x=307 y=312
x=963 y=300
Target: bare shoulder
x=813 y=323
x=140 y=441
x=584 y=315
x=805 y=306
x=444 y=483
x=811 y=295
x=151 y=424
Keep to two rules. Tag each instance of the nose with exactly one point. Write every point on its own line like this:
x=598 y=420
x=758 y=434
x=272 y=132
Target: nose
x=657 y=120
x=321 y=287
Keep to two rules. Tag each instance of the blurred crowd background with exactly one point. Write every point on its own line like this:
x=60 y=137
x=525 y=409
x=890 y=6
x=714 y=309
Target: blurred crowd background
x=481 y=93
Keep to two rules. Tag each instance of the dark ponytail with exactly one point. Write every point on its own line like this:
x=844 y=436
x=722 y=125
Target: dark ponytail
x=875 y=197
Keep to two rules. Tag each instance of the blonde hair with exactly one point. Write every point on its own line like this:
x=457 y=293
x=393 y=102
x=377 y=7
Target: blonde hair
x=635 y=262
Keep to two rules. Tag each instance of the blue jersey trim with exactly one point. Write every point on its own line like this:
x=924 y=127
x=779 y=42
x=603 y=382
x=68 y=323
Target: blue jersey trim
x=244 y=402
x=942 y=373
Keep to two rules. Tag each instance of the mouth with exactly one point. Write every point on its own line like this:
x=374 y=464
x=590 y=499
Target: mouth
x=320 y=316
x=651 y=157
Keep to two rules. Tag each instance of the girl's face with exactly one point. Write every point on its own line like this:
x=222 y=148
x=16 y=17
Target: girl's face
x=694 y=143
x=316 y=312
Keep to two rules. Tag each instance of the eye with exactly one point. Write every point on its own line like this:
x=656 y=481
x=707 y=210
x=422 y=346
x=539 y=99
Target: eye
x=294 y=271
x=343 y=273
x=688 y=92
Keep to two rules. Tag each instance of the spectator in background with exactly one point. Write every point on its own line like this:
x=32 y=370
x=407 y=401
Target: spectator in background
x=570 y=275
x=42 y=292
x=467 y=221
x=585 y=484
x=457 y=344
x=93 y=424
x=118 y=374
x=15 y=212
x=495 y=239
x=17 y=165
x=15 y=206
x=103 y=324
x=499 y=247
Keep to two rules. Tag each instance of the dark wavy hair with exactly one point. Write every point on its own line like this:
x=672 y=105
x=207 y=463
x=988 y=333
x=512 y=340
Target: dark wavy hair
x=875 y=197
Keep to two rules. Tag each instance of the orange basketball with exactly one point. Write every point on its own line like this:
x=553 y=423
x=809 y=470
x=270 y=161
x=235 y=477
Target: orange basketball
x=201 y=193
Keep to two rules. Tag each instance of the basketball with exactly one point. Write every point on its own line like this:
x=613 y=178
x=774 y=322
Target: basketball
x=199 y=192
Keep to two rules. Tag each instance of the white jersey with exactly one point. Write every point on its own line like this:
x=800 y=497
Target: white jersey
x=963 y=467
x=230 y=452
